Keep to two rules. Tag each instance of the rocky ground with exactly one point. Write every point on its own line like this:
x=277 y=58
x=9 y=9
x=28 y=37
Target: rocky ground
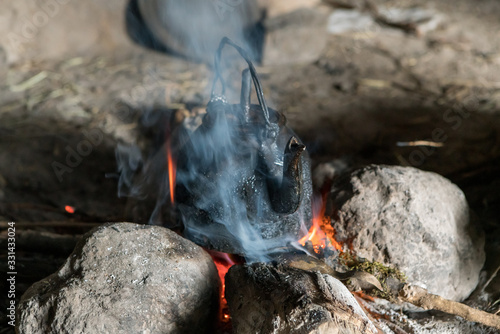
x=366 y=96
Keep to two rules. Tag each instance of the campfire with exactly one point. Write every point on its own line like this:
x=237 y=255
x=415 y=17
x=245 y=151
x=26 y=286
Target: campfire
x=239 y=183
x=271 y=189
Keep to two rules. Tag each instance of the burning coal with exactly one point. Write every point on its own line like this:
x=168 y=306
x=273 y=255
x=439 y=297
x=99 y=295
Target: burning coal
x=223 y=262
x=240 y=182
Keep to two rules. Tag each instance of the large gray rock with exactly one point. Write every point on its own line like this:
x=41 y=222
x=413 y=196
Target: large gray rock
x=417 y=221
x=125 y=278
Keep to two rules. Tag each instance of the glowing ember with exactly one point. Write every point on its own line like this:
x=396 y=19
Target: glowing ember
x=69 y=209
x=171 y=171
x=223 y=262
x=321 y=234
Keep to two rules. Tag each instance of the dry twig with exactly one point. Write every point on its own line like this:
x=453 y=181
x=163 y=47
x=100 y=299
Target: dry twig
x=422 y=298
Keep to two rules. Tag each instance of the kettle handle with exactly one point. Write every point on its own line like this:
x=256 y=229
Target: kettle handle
x=255 y=78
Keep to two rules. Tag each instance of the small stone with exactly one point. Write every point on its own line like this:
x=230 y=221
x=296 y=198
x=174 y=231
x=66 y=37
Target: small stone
x=414 y=220
x=125 y=278
x=342 y=21
x=424 y=20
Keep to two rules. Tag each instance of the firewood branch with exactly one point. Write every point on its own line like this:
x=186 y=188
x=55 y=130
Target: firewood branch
x=420 y=297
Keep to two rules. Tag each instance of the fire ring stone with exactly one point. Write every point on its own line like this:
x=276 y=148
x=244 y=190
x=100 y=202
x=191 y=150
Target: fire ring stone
x=417 y=221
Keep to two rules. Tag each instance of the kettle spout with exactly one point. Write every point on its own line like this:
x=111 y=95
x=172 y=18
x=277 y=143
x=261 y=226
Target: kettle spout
x=286 y=195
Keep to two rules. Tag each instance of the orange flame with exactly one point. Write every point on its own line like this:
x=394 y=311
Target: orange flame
x=223 y=262
x=321 y=234
x=69 y=209
x=171 y=164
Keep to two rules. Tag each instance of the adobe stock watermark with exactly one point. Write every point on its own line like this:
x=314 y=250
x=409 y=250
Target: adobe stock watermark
x=454 y=118
x=223 y=7
x=75 y=154
x=31 y=26
x=11 y=273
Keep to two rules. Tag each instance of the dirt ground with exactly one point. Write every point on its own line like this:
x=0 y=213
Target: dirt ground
x=366 y=99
